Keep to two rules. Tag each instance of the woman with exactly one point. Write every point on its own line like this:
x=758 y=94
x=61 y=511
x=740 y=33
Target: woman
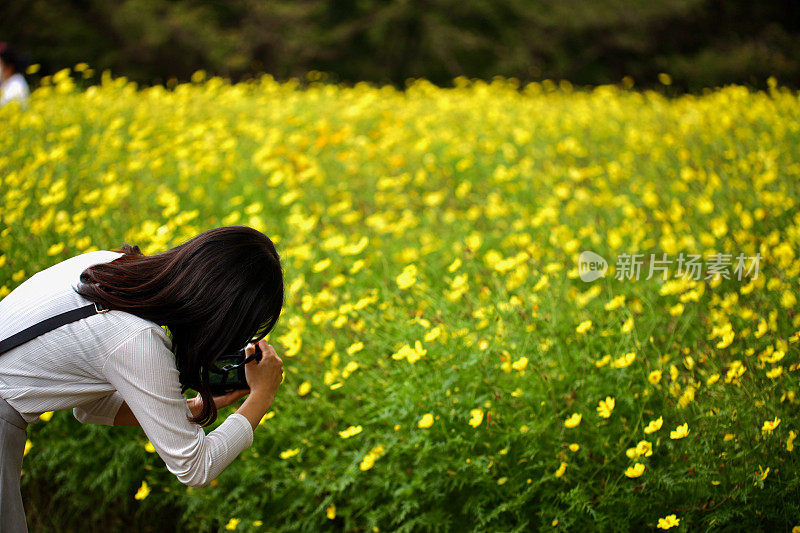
x=12 y=84
x=214 y=293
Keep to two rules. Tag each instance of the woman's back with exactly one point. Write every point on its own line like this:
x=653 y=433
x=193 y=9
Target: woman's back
x=61 y=368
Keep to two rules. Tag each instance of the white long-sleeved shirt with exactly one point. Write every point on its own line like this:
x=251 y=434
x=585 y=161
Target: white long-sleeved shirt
x=14 y=88
x=95 y=364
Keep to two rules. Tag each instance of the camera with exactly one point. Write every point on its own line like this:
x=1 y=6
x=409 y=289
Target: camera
x=227 y=374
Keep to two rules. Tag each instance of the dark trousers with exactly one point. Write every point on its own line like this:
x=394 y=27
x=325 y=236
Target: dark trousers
x=12 y=448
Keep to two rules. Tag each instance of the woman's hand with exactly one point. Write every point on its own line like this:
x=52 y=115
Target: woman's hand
x=264 y=378
x=224 y=400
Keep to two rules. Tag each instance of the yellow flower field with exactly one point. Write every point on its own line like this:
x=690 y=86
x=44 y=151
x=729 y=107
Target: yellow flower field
x=447 y=364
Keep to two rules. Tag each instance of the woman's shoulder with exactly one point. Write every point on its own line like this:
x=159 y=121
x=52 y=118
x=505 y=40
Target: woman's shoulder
x=142 y=329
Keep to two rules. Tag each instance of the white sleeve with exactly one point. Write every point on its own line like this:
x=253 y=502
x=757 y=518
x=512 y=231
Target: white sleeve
x=13 y=90
x=143 y=370
x=101 y=411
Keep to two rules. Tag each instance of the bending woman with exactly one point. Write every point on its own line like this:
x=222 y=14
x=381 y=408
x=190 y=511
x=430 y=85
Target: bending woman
x=214 y=293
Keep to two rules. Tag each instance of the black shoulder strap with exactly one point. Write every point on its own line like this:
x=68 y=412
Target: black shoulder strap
x=48 y=325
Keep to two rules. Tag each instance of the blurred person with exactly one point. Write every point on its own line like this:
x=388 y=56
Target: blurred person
x=215 y=293
x=13 y=86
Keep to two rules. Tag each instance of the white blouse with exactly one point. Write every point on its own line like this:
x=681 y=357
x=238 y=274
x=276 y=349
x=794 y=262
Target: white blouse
x=95 y=364
x=14 y=88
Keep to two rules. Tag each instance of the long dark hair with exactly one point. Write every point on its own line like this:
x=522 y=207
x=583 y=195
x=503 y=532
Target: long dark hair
x=215 y=292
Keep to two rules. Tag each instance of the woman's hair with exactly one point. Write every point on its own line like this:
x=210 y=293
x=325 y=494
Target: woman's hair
x=215 y=292
x=10 y=58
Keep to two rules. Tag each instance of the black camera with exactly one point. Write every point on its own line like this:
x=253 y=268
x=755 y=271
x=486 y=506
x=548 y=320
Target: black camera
x=226 y=374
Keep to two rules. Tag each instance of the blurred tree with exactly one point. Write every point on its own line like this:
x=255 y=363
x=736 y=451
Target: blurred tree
x=699 y=42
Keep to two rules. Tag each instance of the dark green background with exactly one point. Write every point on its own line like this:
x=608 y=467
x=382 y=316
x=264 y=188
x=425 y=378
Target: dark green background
x=701 y=43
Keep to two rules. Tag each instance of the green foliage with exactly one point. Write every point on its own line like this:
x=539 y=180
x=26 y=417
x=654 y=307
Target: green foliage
x=501 y=183
x=701 y=43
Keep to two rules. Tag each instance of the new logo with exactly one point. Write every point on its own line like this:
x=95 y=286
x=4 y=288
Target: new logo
x=591 y=266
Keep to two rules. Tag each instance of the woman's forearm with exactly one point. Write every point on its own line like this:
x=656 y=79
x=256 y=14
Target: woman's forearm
x=125 y=416
x=255 y=407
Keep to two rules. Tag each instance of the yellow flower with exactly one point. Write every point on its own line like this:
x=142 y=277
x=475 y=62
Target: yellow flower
x=408 y=277
x=433 y=334
x=358 y=264
x=603 y=361
x=293 y=342
x=679 y=432
x=644 y=448
x=319 y=266
x=761 y=329
x=761 y=476
x=615 y=303
x=727 y=339
x=367 y=462
x=627 y=326
x=676 y=310
x=654 y=425
x=790 y=441
x=46 y=416
x=330 y=512
x=606 y=407
x=354 y=348
x=291 y=452
x=476 y=417
x=775 y=372
x=654 y=377
x=143 y=491
x=28 y=446
x=412 y=355
x=625 y=360
x=635 y=471
x=474 y=241
x=574 y=447
x=56 y=249
x=349 y=368
x=520 y=364
x=349 y=432
x=788 y=300
x=668 y=522
x=561 y=469
x=418 y=352
x=403 y=352
x=232 y=523
x=303 y=389
x=573 y=420
x=369 y=459
x=426 y=421
x=584 y=326
x=149 y=448
x=776 y=356
x=770 y=425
